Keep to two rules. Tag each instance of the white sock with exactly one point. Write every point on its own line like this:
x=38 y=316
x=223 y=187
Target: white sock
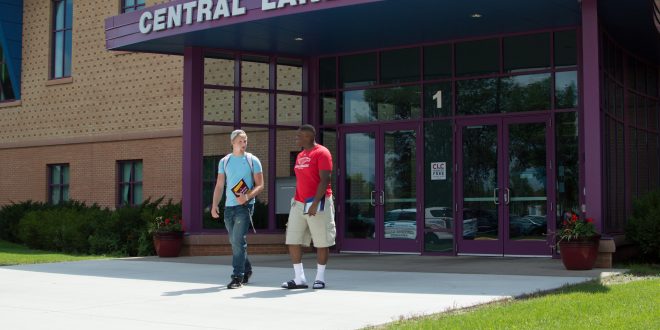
x=320 y=273
x=300 y=274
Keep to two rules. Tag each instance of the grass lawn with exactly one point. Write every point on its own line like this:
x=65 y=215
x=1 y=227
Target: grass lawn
x=629 y=301
x=15 y=254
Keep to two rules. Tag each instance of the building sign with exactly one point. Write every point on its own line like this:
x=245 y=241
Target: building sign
x=439 y=171
x=200 y=11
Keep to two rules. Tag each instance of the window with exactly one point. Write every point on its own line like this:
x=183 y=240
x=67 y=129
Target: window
x=128 y=6
x=130 y=183
x=61 y=51
x=357 y=70
x=58 y=183
x=327 y=73
x=437 y=61
x=400 y=65
x=210 y=174
x=478 y=57
x=527 y=52
x=6 y=90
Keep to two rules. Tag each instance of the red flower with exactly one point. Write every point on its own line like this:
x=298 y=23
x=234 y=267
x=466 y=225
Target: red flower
x=590 y=220
x=167 y=221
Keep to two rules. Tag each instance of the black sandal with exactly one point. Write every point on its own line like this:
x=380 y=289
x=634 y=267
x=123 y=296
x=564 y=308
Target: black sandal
x=292 y=285
x=318 y=285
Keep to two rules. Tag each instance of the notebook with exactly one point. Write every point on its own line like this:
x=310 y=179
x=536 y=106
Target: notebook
x=240 y=188
x=308 y=204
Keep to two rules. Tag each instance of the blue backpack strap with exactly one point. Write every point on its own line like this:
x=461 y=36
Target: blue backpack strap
x=224 y=162
x=250 y=160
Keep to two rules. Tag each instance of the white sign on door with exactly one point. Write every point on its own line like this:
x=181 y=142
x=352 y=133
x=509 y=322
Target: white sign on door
x=439 y=171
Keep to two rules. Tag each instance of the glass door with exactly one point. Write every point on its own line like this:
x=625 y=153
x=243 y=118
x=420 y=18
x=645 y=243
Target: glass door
x=504 y=172
x=479 y=182
x=399 y=186
x=528 y=173
x=358 y=190
x=379 y=189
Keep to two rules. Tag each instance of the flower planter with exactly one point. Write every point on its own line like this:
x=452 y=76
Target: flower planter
x=168 y=244
x=579 y=254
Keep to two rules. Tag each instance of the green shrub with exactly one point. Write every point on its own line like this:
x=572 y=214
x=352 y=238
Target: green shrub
x=10 y=216
x=126 y=231
x=78 y=228
x=146 y=244
x=57 y=229
x=643 y=226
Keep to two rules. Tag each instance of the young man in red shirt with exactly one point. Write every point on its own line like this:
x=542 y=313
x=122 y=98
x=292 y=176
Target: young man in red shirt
x=312 y=215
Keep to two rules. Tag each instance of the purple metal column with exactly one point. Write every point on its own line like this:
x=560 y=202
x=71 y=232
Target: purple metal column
x=273 y=107
x=591 y=121
x=193 y=76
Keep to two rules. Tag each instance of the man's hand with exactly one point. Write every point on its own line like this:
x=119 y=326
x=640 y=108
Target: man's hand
x=313 y=208
x=242 y=199
x=215 y=212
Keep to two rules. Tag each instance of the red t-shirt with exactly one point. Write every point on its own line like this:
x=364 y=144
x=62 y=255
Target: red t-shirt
x=308 y=165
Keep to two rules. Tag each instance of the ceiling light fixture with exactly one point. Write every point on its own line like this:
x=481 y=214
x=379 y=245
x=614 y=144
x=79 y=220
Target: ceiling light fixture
x=298 y=39
x=476 y=15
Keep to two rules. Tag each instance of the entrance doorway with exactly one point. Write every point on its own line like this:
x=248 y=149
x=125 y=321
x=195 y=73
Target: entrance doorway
x=505 y=185
x=380 y=182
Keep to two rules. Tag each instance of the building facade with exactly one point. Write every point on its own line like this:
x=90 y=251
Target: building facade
x=456 y=128
x=67 y=133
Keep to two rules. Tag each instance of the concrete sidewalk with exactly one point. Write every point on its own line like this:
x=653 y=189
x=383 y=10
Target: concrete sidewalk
x=190 y=293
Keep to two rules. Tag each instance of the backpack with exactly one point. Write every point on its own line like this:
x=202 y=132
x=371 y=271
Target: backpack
x=250 y=160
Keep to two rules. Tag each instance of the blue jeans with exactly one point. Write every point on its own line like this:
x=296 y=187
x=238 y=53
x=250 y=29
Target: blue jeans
x=237 y=222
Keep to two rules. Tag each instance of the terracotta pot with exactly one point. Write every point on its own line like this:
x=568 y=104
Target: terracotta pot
x=168 y=244
x=580 y=254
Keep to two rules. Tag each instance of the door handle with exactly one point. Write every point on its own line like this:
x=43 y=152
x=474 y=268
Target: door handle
x=372 y=200
x=382 y=197
x=495 y=196
x=507 y=196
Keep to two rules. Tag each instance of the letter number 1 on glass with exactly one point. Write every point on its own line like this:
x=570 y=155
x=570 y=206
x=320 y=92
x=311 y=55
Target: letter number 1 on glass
x=438 y=99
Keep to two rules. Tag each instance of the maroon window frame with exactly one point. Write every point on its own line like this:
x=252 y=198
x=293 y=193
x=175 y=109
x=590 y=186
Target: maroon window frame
x=128 y=6
x=57 y=186
x=61 y=55
x=6 y=91
x=131 y=184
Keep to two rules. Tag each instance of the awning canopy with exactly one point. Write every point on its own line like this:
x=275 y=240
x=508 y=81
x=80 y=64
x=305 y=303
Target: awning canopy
x=633 y=24
x=328 y=27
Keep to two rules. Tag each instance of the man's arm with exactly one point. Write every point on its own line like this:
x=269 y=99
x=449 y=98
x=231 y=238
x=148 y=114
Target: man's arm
x=217 y=195
x=258 y=187
x=320 y=191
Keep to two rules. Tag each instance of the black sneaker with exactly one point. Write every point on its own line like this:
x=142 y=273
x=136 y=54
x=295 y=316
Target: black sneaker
x=235 y=283
x=246 y=277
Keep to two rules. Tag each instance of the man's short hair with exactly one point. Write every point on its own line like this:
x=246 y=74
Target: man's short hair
x=236 y=133
x=308 y=128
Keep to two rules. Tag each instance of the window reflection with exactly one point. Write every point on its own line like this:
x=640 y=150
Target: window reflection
x=399 y=103
x=477 y=96
x=566 y=90
x=360 y=182
x=525 y=93
x=527 y=182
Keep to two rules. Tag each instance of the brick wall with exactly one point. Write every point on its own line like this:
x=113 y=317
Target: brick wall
x=108 y=93
x=93 y=170
x=124 y=106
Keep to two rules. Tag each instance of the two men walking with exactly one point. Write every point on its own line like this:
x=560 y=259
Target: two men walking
x=311 y=218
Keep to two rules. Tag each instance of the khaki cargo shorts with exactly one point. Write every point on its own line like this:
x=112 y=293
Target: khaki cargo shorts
x=303 y=229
